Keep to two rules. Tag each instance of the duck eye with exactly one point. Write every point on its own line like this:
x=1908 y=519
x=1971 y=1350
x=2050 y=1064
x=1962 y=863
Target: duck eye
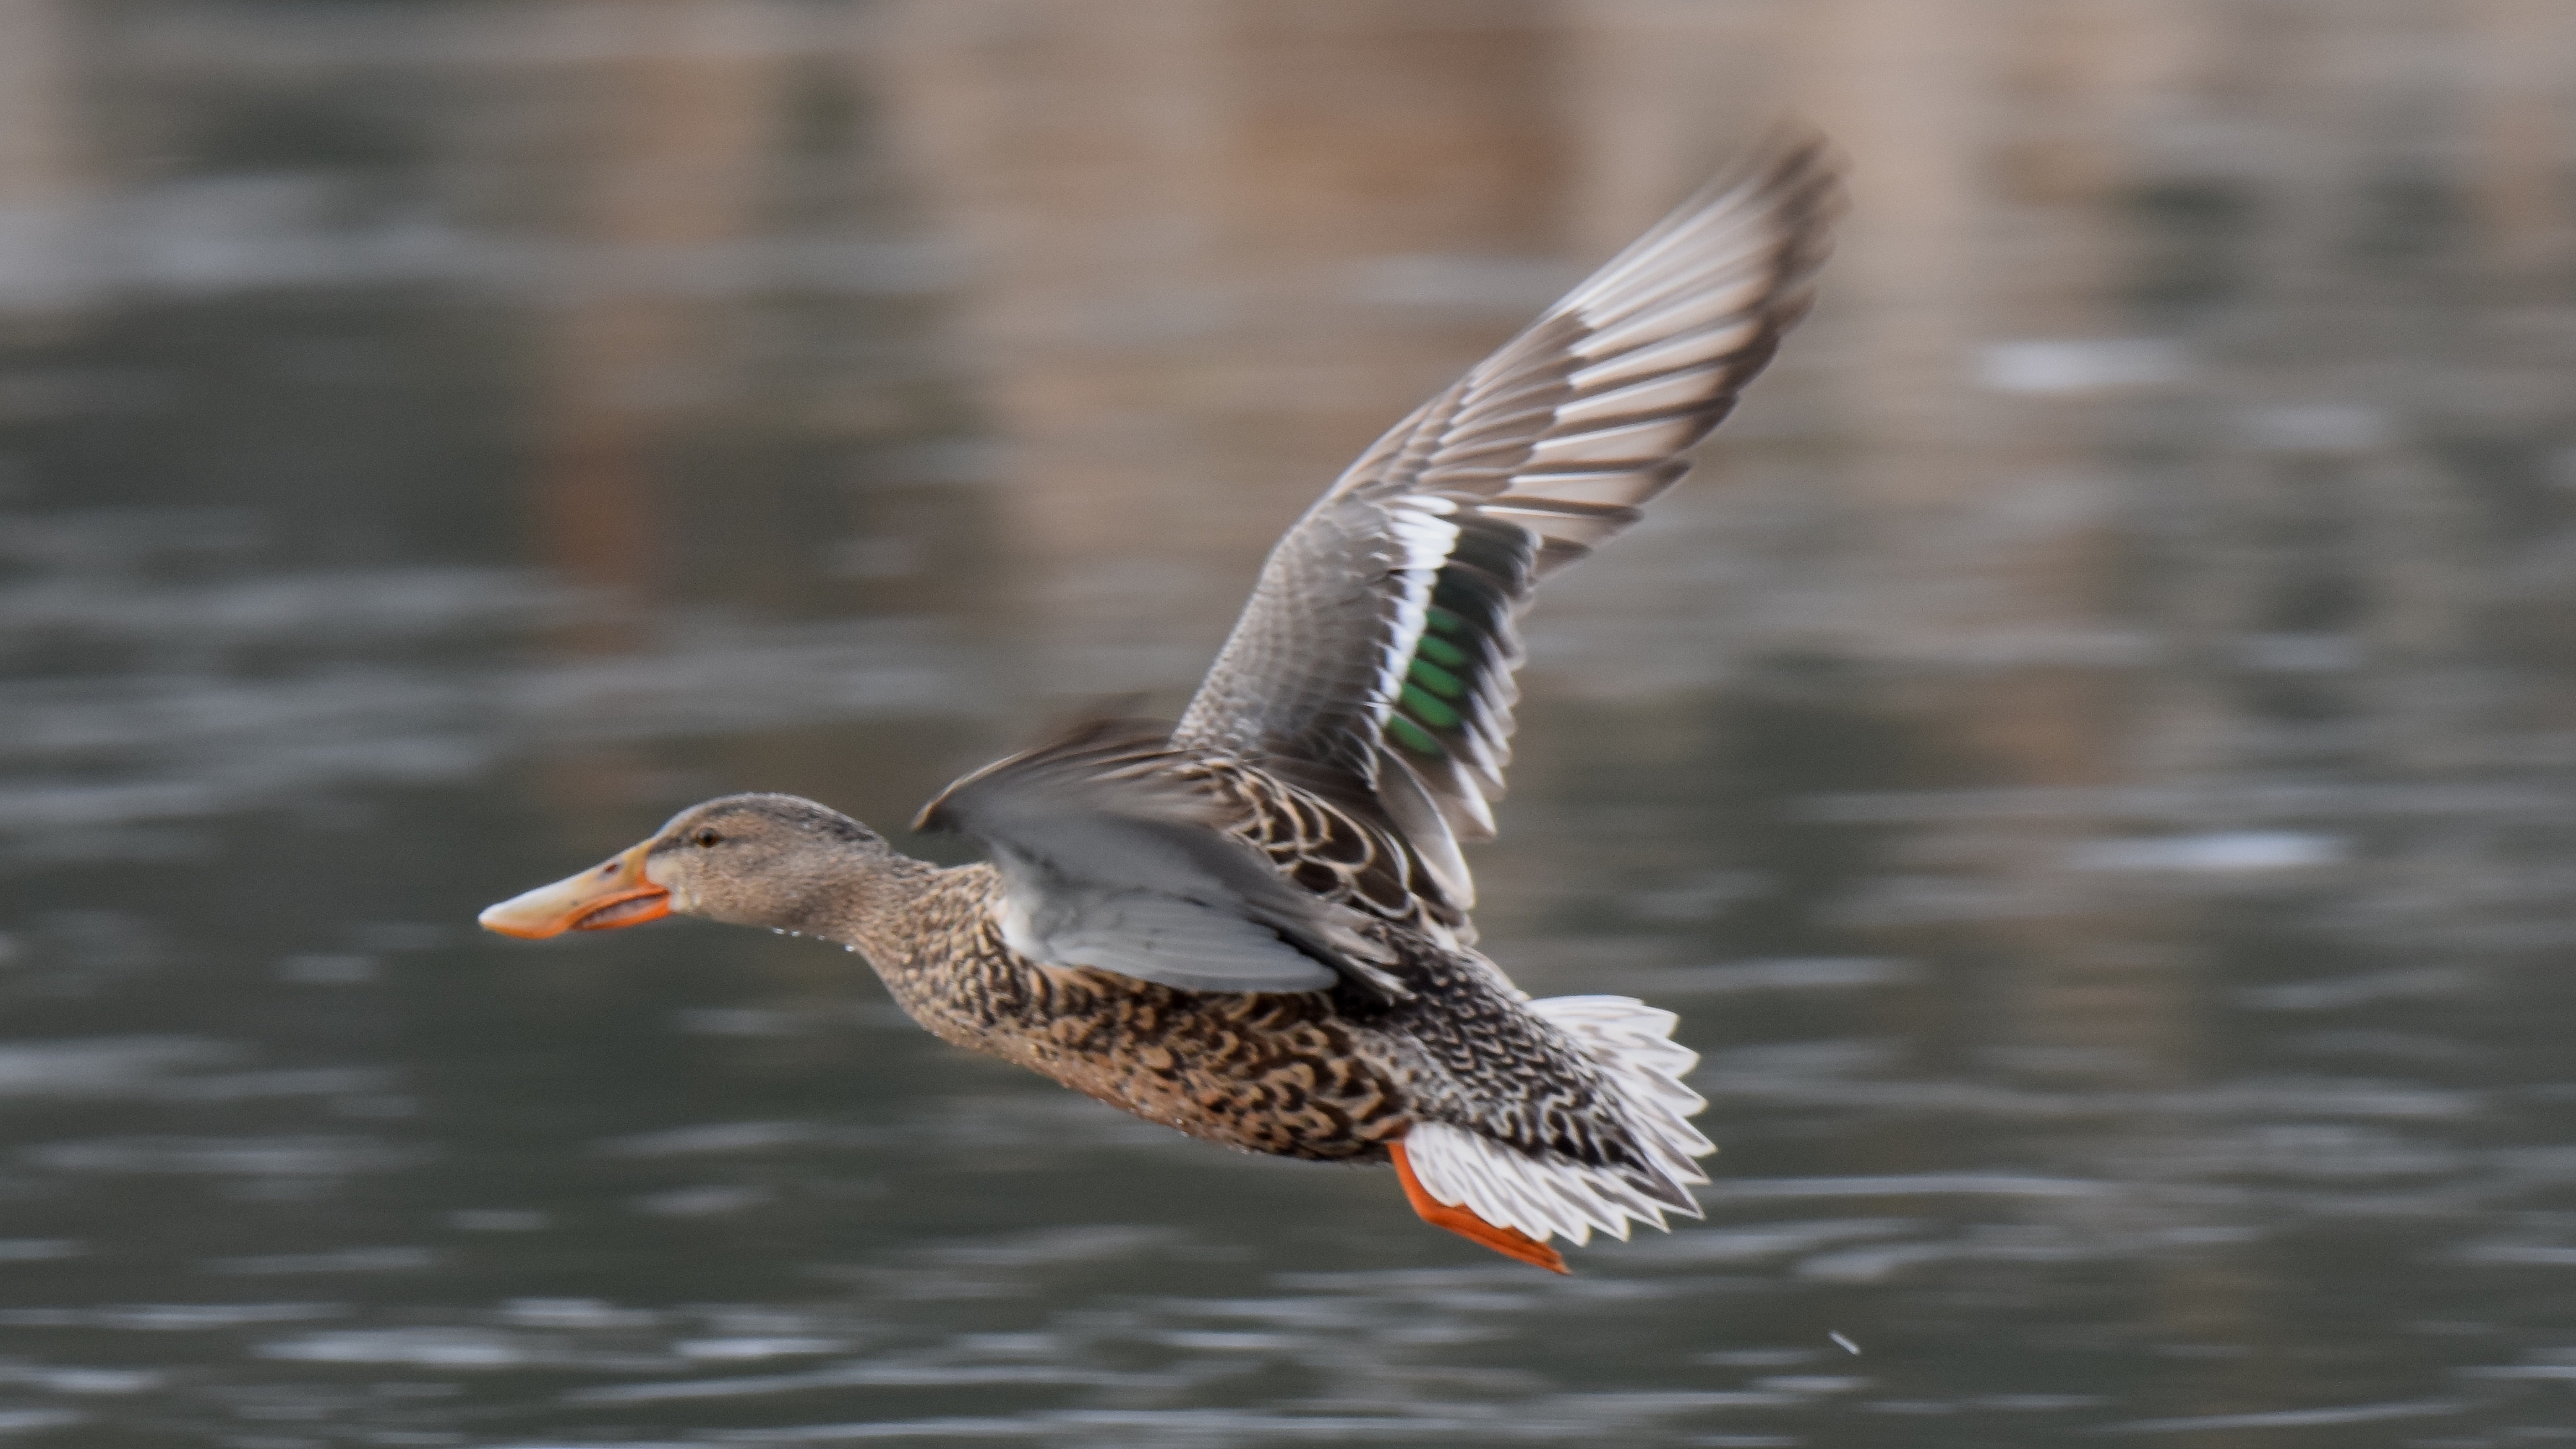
x=709 y=840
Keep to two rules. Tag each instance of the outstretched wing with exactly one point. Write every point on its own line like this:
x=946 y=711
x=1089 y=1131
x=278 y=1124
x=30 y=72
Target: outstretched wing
x=1379 y=643
x=1113 y=857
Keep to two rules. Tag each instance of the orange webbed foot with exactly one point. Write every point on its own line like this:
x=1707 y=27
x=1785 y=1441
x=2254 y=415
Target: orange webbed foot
x=1510 y=1242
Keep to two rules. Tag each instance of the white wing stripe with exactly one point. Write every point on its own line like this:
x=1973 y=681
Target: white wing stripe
x=1420 y=523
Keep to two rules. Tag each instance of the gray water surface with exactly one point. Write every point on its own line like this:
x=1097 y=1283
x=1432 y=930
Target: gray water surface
x=2088 y=755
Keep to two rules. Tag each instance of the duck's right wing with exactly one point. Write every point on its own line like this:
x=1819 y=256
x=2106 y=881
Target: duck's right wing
x=1378 y=646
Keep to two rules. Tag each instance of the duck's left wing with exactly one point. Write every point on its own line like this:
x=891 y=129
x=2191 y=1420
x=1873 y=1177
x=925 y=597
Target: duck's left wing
x=1378 y=645
x=1110 y=859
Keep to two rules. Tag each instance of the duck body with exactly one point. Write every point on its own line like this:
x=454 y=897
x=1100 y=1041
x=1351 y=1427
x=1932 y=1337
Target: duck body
x=1253 y=924
x=1325 y=1076
x=1321 y=1076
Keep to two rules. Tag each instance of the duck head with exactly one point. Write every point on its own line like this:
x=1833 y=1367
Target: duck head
x=776 y=861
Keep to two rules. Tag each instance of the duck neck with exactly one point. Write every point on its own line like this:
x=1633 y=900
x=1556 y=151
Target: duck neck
x=867 y=911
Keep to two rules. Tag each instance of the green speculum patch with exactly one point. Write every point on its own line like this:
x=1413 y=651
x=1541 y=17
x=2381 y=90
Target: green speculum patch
x=1439 y=651
x=1419 y=703
x=1432 y=679
x=1436 y=679
x=1411 y=736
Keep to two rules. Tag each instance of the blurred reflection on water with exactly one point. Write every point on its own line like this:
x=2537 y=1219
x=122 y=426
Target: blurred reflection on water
x=2089 y=756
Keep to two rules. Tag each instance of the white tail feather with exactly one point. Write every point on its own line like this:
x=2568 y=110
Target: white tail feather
x=1544 y=1194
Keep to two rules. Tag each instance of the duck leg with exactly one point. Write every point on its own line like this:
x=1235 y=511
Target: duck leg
x=1510 y=1242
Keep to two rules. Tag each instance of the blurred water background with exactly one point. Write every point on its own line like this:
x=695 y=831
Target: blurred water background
x=2089 y=754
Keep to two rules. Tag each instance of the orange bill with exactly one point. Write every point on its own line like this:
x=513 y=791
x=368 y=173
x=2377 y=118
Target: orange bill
x=615 y=894
x=1510 y=1242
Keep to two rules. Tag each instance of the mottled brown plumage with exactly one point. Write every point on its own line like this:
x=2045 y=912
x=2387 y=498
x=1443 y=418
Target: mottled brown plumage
x=1285 y=1073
